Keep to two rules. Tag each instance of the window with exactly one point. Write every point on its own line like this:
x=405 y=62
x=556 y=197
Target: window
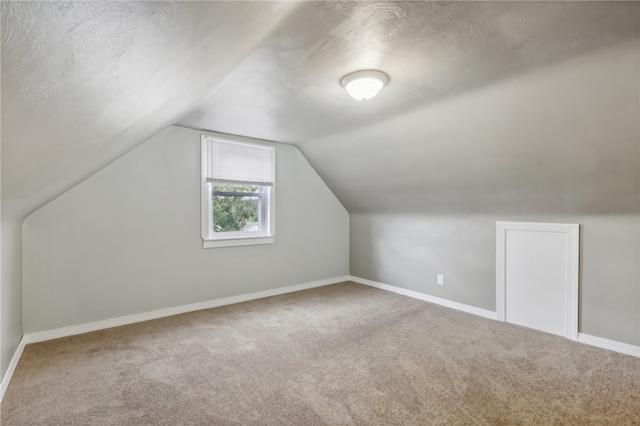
x=238 y=193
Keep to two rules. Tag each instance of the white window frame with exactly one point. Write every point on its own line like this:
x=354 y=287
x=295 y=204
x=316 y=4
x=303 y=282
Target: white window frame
x=212 y=239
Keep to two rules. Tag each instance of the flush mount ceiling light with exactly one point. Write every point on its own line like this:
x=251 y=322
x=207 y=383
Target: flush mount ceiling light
x=364 y=84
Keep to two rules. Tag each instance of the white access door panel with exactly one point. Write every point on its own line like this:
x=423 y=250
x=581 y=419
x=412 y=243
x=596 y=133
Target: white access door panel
x=539 y=276
x=537 y=280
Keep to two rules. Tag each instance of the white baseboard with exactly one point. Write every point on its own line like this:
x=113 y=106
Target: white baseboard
x=427 y=298
x=161 y=313
x=146 y=316
x=10 y=370
x=612 y=345
x=42 y=336
x=600 y=342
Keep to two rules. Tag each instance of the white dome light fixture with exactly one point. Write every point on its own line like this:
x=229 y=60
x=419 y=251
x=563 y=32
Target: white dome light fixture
x=365 y=84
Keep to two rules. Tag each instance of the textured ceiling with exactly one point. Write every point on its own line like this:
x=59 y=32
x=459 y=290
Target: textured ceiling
x=83 y=83
x=561 y=140
x=288 y=88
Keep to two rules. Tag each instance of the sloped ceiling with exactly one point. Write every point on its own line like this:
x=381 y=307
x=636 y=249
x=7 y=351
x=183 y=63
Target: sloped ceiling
x=288 y=88
x=83 y=83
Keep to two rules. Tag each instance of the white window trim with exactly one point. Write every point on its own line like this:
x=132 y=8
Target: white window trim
x=230 y=239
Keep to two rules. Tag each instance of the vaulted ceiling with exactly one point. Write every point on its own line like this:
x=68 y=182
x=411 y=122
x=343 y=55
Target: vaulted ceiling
x=85 y=82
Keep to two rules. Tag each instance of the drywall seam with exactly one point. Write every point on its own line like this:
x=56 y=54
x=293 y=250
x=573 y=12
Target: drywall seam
x=12 y=367
x=427 y=298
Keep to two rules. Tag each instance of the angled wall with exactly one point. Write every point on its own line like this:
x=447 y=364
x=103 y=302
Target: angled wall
x=80 y=88
x=127 y=240
x=557 y=144
x=10 y=291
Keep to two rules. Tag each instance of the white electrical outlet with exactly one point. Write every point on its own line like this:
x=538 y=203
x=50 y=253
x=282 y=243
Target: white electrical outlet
x=440 y=279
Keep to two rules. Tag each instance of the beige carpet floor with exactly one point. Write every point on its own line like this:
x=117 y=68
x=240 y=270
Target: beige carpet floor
x=338 y=355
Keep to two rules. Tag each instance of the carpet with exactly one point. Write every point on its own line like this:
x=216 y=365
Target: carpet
x=344 y=354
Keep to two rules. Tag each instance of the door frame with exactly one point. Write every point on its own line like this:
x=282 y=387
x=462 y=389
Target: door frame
x=573 y=264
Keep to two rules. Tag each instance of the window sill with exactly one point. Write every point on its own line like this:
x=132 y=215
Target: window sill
x=232 y=242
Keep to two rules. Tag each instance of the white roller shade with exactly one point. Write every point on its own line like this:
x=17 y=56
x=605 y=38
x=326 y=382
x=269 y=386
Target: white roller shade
x=238 y=162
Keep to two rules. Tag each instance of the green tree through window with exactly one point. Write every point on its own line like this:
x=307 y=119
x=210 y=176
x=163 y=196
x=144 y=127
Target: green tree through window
x=232 y=209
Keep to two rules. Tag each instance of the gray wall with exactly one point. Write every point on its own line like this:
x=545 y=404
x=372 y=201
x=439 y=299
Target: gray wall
x=11 y=291
x=408 y=251
x=127 y=240
x=557 y=144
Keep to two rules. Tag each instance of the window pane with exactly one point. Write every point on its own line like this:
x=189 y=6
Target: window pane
x=236 y=213
x=236 y=188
